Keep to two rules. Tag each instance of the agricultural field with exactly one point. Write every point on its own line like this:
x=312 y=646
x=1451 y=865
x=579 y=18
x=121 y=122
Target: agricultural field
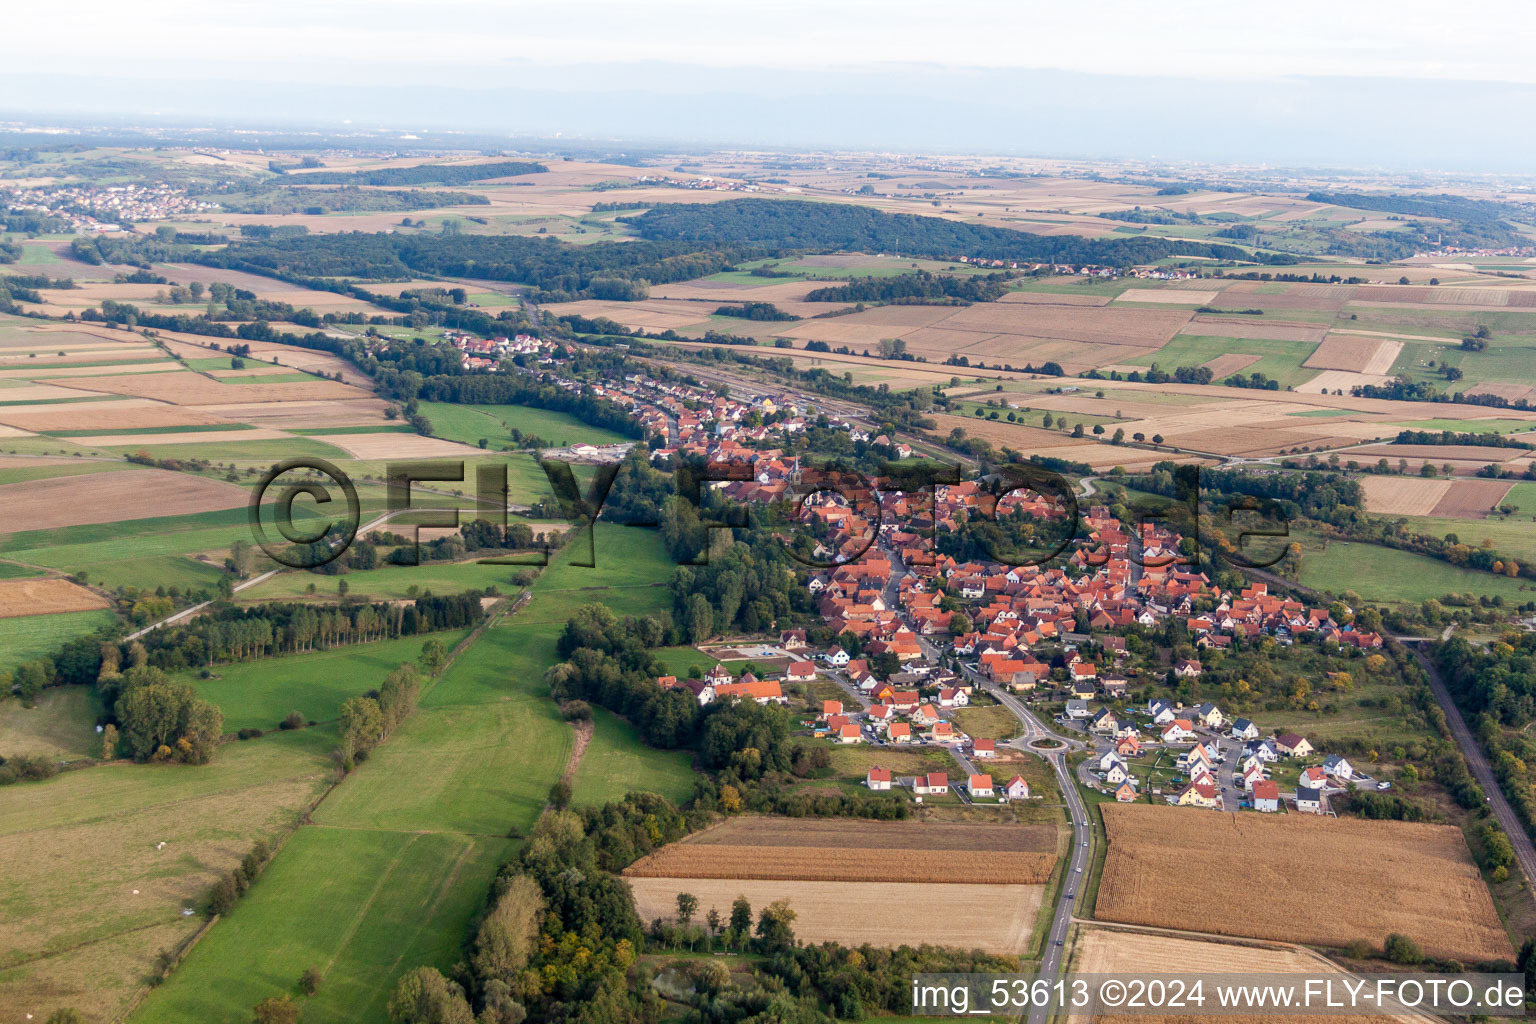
x=863 y=851
x=617 y=761
x=259 y=694
x=61 y=724
x=1389 y=576
x=24 y=637
x=89 y=897
x=994 y=918
x=1100 y=950
x=24 y=597
x=1383 y=876
x=469 y=424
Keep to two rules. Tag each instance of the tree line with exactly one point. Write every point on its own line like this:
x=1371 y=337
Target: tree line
x=233 y=634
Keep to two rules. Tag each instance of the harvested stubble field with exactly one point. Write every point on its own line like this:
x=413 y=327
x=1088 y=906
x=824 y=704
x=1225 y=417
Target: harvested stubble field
x=1330 y=381
x=1354 y=353
x=995 y=918
x=1380 y=877
x=1402 y=495
x=357 y=412
x=1470 y=499
x=1109 y=951
x=858 y=851
x=183 y=387
x=1056 y=299
x=387 y=445
x=1508 y=392
x=1235 y=327
x=1232 y=362
x=1437 y=453
x=111 y=497
x=45 y=597
x=1180 y=297
x=110 y=415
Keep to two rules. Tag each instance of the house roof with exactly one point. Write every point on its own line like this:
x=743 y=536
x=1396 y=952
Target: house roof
x=1266 y=789
x=879 y=775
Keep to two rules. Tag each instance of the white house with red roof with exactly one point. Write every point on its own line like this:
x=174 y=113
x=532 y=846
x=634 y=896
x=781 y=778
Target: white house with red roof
x=878 y=778
x=932 y=784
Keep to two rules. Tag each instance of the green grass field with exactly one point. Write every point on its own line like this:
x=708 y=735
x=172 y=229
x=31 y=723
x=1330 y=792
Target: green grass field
x=138 y=552
x=362 y=906
x=25 y=474
x=236 y=451
x=389 y=581
x=1494 y=426
x=30 y=636
x=1280 y=360
x=1390 y=576
x=61 y=724
x=617 y=761
x=78 y=846
x=495 y=423
x=258 y=694
x=677 y=660
x=630 y=575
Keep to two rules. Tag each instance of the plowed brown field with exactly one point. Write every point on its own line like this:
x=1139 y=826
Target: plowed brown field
x=1298 y=878
x=858 y=851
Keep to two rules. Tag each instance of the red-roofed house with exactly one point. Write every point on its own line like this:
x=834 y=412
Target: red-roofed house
x=979 y=786
x=878 y=778
x=1266 y=796
x=801 y=672
x=932 y=784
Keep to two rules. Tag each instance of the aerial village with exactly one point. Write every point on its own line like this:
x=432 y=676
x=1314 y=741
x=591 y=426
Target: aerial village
x=896 y=599
x=890 y=594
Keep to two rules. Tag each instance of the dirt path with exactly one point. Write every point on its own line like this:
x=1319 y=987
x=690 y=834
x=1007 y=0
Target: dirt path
x=584 y=730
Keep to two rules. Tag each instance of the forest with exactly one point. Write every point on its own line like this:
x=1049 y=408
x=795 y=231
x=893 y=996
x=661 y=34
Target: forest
x=425 y=174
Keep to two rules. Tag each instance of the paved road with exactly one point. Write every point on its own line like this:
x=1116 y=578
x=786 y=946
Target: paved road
x=1525 y=852
x=1082 y=836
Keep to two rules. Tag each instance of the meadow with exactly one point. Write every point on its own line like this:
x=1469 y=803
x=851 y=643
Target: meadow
x=1390 y=576
x=392 y=582
x=617 y=761
x=89 y=895
x=470 y=424
x=31 y=636
x=259 y=694
x=362 y=906
x=1280 y=360
x=61 y=724
x=400 y=855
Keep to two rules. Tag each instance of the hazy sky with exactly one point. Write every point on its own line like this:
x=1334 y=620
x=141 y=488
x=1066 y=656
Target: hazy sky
x=1321 y=83
x=482 y=41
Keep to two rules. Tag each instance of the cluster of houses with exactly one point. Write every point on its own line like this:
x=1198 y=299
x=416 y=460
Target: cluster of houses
x=105 y=208
x=1196 y=731
x=487 y=353
x=977 y=786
